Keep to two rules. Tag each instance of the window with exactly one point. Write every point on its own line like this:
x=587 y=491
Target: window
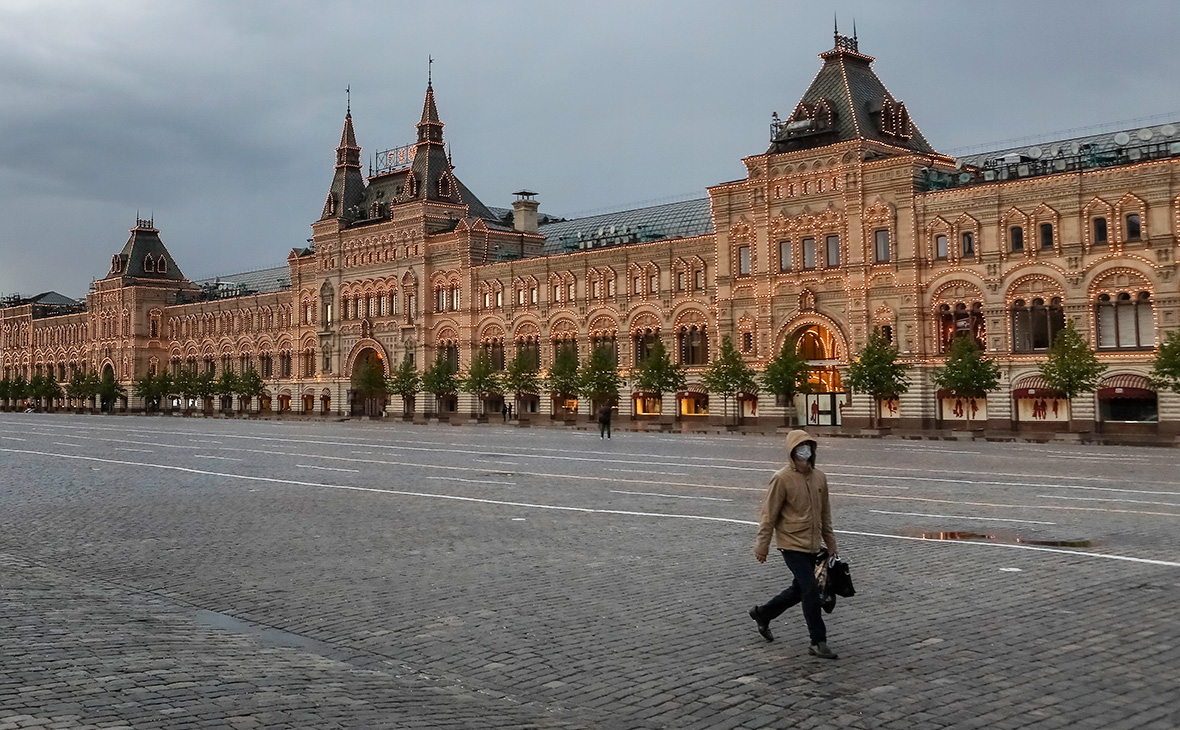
x=495 y=352
x=440 y=303
x=644 y=341
x=520 y=297
x=743 y=260
x=887 y=332
x=653 y=283
x=833 y=252
x=557 y=293
x=809 y=253
x=1046 y=236
x=1125 y=322
x=693 y=345
x=1016 y=238
x=533 y=295
x=610 y=287
x=1099 y=231
x=285 y=365
x=1035 y=325
x=680 y=281
x=637 y=287
x=595 y=289
x=940 y=247
x=1133 y=228
x=968 y=240
x=487 y=300
x=960 y=321
x=747 y=342
x=499 y=298
x=784 y=255
x=267 y=363
x=881 y=245
x=698 y=279
x=570 y=292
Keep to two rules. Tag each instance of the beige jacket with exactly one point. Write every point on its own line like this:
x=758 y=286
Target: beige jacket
x=796 y=510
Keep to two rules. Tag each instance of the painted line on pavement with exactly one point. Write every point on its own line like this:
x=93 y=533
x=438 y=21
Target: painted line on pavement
x=583 y=510
x=961 y=517
x=211 y=456
x=1109 y=499
x=470 y=481
x=673 y=496
x=327 y=468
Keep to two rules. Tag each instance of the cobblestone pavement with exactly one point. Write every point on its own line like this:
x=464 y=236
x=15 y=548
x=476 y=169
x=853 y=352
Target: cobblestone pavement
x=190 y=573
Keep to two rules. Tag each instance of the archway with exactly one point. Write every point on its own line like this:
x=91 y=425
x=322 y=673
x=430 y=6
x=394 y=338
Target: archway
x=367 y=397
x=107 y=396
x=816 y=344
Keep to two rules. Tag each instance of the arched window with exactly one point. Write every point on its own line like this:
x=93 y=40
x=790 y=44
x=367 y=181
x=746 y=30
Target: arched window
x=1035 y=325
x=960 y=321
x=692 y=342
x=1125 y=322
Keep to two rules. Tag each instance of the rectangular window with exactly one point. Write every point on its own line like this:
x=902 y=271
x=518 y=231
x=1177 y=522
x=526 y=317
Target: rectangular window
x=638 y=286
x=968 y=240
x=571 y=294
x=833 y=252
x=784 y=255
x=520 y=297
x=881 y=245
x=1046 y=235
x=698 y=279
x=1099 y=231
x=743 y=260
x=809 y=253
x=1016 y=238
x=1133 y=228
x=940 y=247
x=679 y=281
x=557 y=293
x=533 y=295
x=499 y=298
x=653 y=283
x=595 y=290
x=610 y=287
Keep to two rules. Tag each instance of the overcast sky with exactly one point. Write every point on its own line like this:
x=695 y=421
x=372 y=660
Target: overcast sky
x=220 y=118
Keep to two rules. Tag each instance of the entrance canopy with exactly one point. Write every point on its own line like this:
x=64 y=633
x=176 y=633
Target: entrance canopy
x=1129 y=387
x=1034 y=386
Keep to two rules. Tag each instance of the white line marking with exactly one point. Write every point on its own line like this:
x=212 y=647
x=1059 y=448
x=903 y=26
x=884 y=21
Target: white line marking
x=961 y=517
x=469 y=481
x=664 y=473
x=1011 y=570
x=59 y=443
x=674 y=496
x=327 y=468
x=12 y=438
x=142 y=451
x=1108 y=499
x=583 y=510
x=210 y=456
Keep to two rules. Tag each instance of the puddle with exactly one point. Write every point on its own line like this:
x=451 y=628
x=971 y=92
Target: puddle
x=1059 y=543
x=270 y=636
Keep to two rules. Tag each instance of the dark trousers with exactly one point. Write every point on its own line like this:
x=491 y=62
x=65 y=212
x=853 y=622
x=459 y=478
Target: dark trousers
x=803 y=589
x=604 y=429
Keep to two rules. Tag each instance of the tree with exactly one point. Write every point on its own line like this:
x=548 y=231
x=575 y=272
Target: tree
x=481 y=380
x=967 y=374
x=405 y=382
x=37 y=388
x=187 y=386
x=76 y=389
x=5 y=386
x=562 y=379
x=250 y=384
x=1165 y=371
x=225 y=387
x=165 y=386
x=1072 y=367
x=440 y=380
x=729 y=375
x=204 y=386
x=109 y=390
x=368 y=379
x=877 y=372
x=145 y=387
x=522 y=376
x=786 y=376
x=18 y=389
x=598 y=378
x=657 y=374
x=93 y=385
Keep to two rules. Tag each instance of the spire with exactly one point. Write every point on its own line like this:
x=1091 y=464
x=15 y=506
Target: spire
x=430 y=128
x=348 y=186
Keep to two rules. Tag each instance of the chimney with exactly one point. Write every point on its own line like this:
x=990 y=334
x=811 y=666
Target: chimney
x=524 y=211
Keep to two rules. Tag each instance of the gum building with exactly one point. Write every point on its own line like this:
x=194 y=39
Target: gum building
x=848 y=221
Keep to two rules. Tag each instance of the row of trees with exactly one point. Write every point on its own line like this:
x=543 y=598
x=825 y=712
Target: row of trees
x=193 y=385
x=1071 y=367
x=596 y=379
x=43 y=390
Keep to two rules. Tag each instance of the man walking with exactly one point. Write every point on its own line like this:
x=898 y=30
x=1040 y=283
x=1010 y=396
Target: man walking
x=798 y=515
x=604 y=415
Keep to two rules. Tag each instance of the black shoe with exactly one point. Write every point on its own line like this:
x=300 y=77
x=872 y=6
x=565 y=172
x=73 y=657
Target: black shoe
x=821 y=650
x=763 y=626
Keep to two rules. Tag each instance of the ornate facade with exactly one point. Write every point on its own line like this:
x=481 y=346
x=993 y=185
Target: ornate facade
x=849 y=221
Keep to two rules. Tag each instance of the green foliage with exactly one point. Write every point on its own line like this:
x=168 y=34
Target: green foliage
x=250 y=383
x=369 y=379
x=729 y=374
x=5 y=386
x=967 y=374
x=876 y=370
x=1072 y=367
x=109 y=390
x=1165 y=371
x=405 y=381
x=18 y=388
x=226 y=384
x=522 y=375
x=481 y=380
x=77 y=388
x=440 y=378
x=145 y=387
x=562 y=379
x=786 y=374
x=598 y=377
x=657 y=374
x=93 y=385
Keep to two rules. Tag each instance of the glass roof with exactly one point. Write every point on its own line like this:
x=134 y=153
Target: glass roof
x=640 y=225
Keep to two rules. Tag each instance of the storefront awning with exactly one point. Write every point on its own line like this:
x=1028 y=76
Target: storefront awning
x=1130 y=387
x=1034 y=386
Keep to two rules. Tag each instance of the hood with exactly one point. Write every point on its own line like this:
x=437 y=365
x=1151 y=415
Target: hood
x=799 y=436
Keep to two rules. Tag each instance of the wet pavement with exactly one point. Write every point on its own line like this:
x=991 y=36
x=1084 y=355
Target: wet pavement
x=189 y=573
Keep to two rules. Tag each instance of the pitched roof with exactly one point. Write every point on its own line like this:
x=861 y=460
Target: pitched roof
x=846 y=101
x=639 y=225
x=141 y=255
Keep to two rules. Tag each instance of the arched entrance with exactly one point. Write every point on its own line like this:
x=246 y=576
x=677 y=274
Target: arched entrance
x=367 y=396
x=106 y=393
x=820 y=347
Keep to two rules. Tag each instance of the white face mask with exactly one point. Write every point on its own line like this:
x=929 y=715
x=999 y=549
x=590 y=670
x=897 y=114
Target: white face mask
x=803 y=452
